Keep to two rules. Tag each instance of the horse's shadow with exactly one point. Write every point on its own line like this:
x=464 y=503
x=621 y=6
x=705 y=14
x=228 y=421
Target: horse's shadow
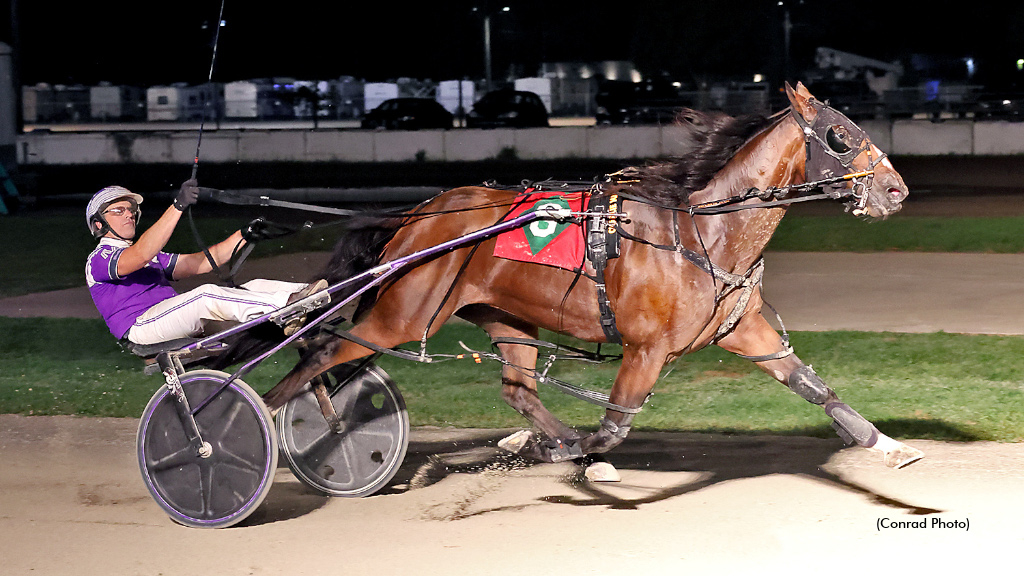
x=709 y=458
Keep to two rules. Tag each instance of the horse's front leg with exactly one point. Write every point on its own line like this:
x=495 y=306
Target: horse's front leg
x=753 y=336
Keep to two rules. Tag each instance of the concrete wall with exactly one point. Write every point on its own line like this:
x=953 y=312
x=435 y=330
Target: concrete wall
x=900 y=138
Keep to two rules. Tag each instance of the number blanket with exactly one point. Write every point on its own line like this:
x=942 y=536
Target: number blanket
x=547 y=242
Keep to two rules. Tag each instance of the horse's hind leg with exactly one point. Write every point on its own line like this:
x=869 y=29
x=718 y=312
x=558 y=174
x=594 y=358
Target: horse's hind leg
x=753 y=336
x=518 y=388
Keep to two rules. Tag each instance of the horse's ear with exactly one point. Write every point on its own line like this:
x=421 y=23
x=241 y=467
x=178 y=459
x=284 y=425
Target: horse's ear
x=800 y=99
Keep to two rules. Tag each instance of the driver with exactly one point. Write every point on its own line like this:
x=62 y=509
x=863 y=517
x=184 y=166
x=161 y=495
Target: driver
x=129 y=278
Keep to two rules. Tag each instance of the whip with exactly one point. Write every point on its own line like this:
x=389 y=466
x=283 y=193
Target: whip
x=229 y=277
x=209 y=80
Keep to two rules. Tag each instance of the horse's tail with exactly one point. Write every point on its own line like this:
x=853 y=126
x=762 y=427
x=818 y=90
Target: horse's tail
x=358 y=249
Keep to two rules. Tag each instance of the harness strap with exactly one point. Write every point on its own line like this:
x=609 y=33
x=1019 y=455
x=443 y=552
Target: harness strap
x=787 y=348
x=591 y=396
x=752 y=280
x=398 y=353
x=597 y=251
x=577 y=353
x=694 y=258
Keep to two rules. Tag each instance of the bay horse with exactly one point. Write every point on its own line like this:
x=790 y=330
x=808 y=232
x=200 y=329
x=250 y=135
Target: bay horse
x=684 y=278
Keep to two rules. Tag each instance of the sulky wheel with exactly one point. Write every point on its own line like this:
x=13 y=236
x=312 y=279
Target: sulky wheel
x=364 y=451
x=223 y=488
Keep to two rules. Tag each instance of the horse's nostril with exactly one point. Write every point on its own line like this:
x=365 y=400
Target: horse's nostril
x=896 y=195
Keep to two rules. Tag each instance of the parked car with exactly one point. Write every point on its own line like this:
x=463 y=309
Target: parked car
x=508 y=108
x=408 y=114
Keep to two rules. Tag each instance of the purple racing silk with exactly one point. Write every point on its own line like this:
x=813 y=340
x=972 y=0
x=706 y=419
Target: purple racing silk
x=121 y=300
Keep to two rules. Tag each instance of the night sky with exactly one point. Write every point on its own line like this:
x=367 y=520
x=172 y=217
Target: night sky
x=127 y=42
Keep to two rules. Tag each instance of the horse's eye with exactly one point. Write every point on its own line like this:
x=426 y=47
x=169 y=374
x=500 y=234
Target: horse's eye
x=838 y=139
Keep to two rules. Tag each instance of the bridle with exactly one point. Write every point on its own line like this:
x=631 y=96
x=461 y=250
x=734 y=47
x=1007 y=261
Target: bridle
x=839 y=142
x=828 y=167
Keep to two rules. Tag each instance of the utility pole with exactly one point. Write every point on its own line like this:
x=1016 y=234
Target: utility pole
x=487 y=11
x=487 y=51
x=787 y=27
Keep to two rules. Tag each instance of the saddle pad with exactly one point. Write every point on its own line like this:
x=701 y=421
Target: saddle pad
x=547 y=242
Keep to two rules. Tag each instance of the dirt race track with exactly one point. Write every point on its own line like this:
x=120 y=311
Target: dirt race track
x=72 y=500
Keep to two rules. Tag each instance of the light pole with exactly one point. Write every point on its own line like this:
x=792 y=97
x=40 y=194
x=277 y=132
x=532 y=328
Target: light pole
x=787 y=29
x=488 y=76
x=487 y=51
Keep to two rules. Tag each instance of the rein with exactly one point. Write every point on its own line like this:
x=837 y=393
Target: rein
x=771 y=197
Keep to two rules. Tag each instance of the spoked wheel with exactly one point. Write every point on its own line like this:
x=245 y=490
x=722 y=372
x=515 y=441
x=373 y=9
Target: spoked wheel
x=223 y=488
x=365 y=450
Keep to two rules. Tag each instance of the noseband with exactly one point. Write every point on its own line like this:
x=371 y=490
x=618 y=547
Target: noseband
x=839 y=142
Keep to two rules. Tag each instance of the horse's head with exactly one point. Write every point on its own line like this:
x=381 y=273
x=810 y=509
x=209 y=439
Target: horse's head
x=837 y=147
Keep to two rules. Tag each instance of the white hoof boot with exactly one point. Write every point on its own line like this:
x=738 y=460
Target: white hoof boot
x=897 y=454
x=602 y=472
x=514 y=443
x=902 y=456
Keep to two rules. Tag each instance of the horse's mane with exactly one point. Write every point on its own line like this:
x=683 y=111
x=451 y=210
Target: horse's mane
x=711 y=139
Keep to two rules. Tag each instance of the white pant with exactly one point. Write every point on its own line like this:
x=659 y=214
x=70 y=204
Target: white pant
x=185 y=314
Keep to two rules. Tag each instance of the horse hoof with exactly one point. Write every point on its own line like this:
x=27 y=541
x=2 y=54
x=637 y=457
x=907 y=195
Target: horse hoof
x=902 y=456
x=515 y=443
x=602 y=472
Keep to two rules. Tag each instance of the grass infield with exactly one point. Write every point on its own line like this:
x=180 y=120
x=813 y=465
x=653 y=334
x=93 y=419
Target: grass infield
x=937 y=386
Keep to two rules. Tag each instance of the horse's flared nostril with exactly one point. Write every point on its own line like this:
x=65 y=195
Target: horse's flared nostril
x=896 y=195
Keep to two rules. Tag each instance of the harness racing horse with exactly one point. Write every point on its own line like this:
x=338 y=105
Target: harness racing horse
x=693 y=232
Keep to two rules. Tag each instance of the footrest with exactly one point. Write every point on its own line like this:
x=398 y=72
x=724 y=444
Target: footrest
x=298 y=309
x=151 y=350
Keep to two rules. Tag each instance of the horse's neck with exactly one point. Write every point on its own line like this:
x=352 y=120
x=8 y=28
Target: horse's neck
x=773 y=158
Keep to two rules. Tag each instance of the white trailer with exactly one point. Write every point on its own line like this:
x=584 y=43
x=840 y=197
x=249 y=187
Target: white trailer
x=539 y=86
x=449 y=93
x=241 y=99
x=108 y=102
x=374 y=93
x=164 y=103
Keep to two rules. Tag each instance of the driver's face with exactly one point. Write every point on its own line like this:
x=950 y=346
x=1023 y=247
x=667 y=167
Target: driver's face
x=121 y=217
